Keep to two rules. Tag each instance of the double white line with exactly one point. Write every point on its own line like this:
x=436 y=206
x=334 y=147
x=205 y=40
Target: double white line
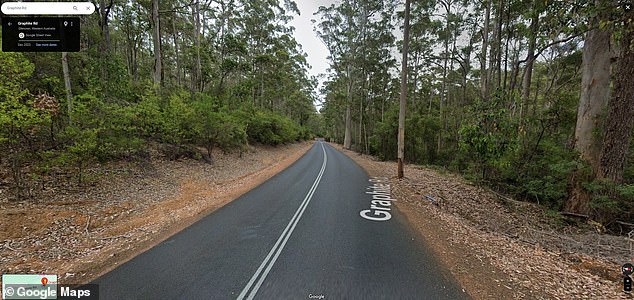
x=270 y=259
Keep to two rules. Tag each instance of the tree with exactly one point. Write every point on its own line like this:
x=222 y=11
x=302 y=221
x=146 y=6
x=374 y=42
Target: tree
x=595 y=92
x=484 y=79
x=530 y=56
x=104 y=22
x=197 y=74
x=67 y=85
x=620 y=119
x=403 y=98
x=20 y=120
x=182 y=74
x=156 y=41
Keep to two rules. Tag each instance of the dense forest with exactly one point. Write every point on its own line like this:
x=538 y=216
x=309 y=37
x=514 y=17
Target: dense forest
x=180 y=76
x=532 y=98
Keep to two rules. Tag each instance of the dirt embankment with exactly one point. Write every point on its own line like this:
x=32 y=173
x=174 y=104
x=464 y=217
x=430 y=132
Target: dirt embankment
x=84 y=233
x=499 y=248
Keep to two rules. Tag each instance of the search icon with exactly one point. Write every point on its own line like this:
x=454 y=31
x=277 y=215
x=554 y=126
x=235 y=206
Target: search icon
x=74 y=7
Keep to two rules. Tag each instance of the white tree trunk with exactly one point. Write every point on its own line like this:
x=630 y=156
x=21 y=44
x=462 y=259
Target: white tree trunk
x=69 y=92
x=595 y=92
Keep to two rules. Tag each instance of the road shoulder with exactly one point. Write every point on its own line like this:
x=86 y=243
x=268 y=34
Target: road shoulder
x=475 y=272
x=84 y=234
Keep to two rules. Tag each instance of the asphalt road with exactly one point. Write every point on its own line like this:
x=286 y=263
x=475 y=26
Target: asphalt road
x=300 y=235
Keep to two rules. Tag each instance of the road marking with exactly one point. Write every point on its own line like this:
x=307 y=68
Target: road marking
x=270 y=259
x=381 y=200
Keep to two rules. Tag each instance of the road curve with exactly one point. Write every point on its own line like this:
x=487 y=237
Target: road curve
x=299 y=235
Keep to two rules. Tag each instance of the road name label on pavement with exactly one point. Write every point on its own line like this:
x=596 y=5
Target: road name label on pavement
x=381 y=200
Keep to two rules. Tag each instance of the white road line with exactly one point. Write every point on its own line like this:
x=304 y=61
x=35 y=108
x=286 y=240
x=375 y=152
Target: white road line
x=270 y=259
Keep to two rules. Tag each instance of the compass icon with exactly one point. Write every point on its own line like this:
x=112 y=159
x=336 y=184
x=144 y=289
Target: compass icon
x=627 y=269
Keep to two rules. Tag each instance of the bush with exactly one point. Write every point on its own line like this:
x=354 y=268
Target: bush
x=269 y=128
x=490 y=136
x=101 y=131
x=541 y=174
x=179 y=119
x=610 y=199
x=217 y=129
x=22 y=125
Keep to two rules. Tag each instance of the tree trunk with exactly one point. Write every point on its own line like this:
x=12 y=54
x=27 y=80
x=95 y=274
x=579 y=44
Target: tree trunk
x=620 y=118
x=493 y=71
x=347 y=138
x=444 y=93
x=104 y=11
x=403 y=96
x=530 y=59
x=498 y=44
x=197 y=78
x=156 y=40
x=484 y=90
x=69 y=92
x=176 y=50
x=595 y=92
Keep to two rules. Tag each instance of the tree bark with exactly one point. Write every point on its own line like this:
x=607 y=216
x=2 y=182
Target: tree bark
x=444 y=93
x=493 y=71
x=177 y=51
x=595 y=92
x=104 y=11
x=403 y=96
x=484 y=90
x=347 y=138
x=69 y=92
x=620 y=118
x=197 y=78
x=156 y=40
x=530 y=59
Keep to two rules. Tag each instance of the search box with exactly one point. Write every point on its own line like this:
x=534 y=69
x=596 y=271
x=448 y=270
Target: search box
x=48 y=8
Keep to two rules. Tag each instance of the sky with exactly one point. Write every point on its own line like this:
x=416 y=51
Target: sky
x=307 y=37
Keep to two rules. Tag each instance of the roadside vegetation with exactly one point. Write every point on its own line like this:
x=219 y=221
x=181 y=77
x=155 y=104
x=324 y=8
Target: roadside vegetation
x=174 y=76
x=522 y=96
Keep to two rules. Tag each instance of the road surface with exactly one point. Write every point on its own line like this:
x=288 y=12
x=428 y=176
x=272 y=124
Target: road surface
x=300 y=235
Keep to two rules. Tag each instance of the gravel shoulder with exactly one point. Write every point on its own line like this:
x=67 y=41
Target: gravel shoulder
x=81 y=234
x=499 y=248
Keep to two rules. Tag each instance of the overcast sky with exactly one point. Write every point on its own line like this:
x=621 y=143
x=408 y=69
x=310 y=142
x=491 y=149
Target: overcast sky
x=305 y=35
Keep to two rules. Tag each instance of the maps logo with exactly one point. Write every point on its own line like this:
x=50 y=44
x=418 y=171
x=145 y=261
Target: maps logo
x=20 y=286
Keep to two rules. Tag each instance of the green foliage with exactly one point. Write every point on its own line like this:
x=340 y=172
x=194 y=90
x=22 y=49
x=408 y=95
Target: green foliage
x=117 y=109
x=421 y=137
x=16 y=103
x=148 y=115
x=542 y=174
x=22 y=125
x=422 y=131
x=269 y=128
x=179 y=120
x=610 y=198
x=217 y=129
x=489 y=135
x=383 y=142
x=101 y=131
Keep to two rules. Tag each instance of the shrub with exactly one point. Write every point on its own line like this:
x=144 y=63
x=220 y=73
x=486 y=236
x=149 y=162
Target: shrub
x=269 y=128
